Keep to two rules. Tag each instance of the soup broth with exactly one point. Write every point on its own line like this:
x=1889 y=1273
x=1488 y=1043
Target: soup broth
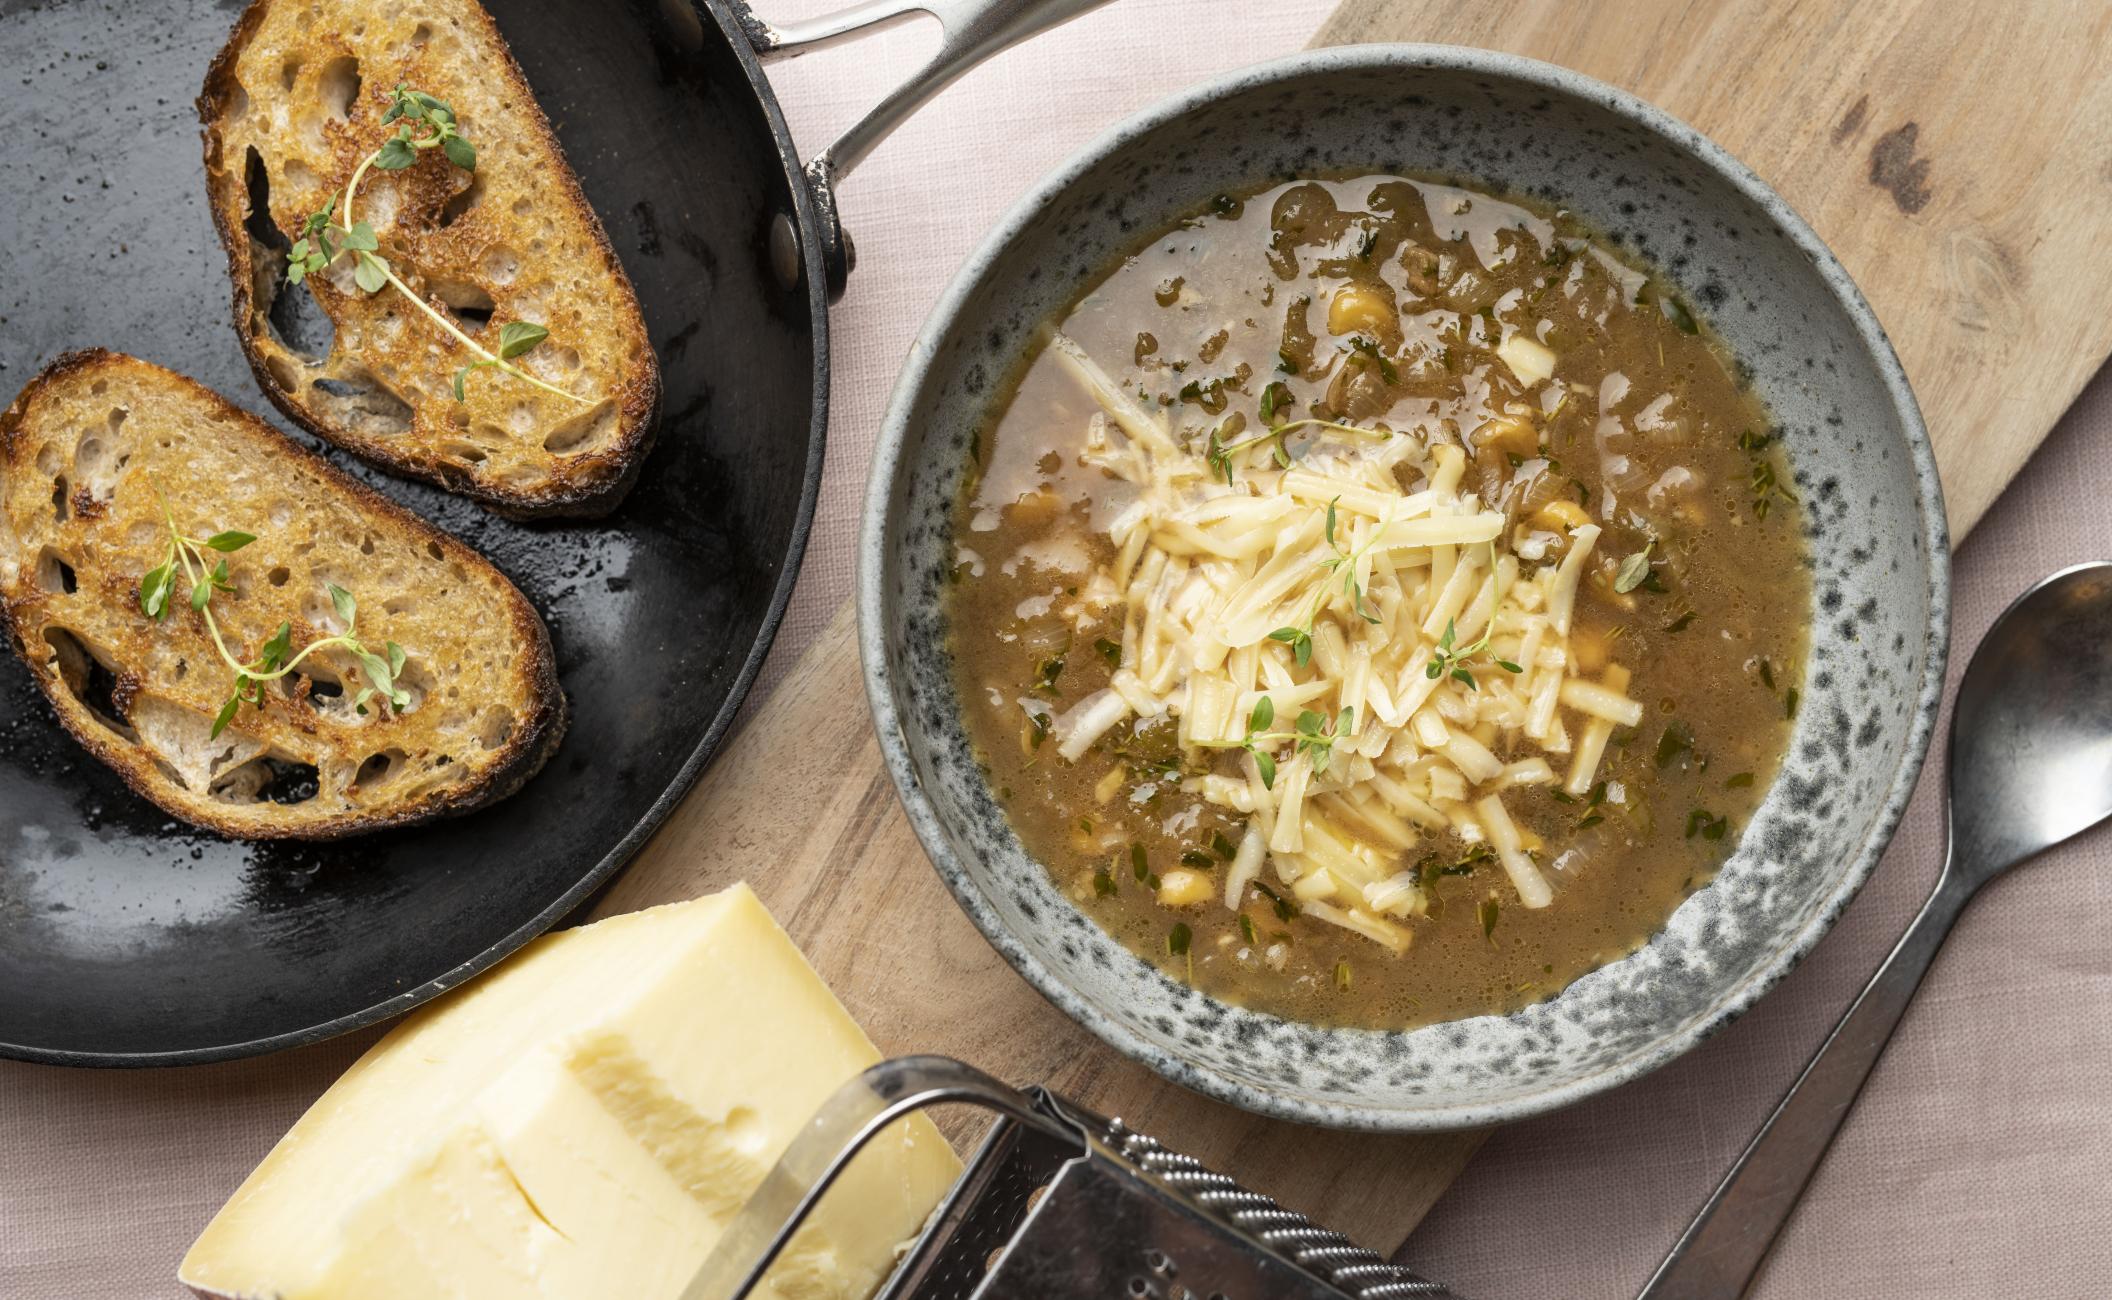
x=1378 y=601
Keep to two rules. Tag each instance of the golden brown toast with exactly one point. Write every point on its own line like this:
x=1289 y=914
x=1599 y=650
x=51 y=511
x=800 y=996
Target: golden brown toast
x=295 y=101
x=102 y=458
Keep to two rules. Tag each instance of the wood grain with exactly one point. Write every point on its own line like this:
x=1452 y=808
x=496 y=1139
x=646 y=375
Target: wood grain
x=1955 y=154
x=1966 y=185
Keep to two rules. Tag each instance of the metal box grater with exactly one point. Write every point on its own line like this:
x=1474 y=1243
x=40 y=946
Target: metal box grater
x=1056 y=1204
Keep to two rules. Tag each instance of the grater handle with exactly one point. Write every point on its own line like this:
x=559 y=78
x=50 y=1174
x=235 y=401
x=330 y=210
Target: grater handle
x=855 y=1114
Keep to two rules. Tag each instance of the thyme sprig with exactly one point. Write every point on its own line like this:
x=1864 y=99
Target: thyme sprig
x=1447 y=661
x=1299 y=636
x=1345 y=563
x=422 y=123
x=187 y=556
x=1275 y=400
x=1314 y=734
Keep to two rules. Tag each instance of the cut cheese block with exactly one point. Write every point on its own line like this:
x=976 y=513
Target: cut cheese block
x=581 y=1122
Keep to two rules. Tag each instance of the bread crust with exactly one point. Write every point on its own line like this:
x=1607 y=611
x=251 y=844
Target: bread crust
x=106 y=555
x=466 y=456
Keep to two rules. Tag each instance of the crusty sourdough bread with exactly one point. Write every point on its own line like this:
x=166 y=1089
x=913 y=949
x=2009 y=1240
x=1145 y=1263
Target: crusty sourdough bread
x=290 y=107
x=88 y=453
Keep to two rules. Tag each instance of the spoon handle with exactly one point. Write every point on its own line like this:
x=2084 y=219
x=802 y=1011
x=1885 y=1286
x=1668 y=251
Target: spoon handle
x=1718 y=1255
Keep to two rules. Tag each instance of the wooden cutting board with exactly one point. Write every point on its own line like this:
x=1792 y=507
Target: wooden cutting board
x=1964 y=182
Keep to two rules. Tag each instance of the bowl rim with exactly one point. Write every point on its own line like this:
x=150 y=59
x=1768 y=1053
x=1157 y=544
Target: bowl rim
x=889 y=460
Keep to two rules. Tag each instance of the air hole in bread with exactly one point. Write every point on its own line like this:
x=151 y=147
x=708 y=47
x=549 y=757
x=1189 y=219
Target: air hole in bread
x=458 y=206
x=289 y=72
x=359 y=402
x=500 y=265
x=379 y=769
x=320 y=685
x=339 y=86
x=59 y=490
x=257 y=222
x=236 y=106
x=282 y=373
x=467 y=301
x=291 y=783
x=398 y=605
x=54 y=574
x=268 y=778
x=420 y=34
x=100 y=457
x=467 y=453
x=278 y=576
x=416 y=681
x=87 y=676
x=495 y=728
x=590 y=428
x=433 y=549
x=300 y=325
x=181 y=738
x=366 y=544
x=296 y=321
x=49 y=459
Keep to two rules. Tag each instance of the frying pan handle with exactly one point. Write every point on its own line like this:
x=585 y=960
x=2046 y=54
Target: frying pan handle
x=974 y=30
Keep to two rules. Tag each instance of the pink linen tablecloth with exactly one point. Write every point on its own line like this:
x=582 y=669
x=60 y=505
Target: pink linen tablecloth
x=1976 y=1164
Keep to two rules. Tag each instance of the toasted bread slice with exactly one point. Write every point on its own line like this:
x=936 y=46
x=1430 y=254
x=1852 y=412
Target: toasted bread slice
x=290 y=107
x=90 y=452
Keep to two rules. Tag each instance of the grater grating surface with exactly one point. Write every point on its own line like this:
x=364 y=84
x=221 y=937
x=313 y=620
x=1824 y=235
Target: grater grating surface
x=1056 y=1204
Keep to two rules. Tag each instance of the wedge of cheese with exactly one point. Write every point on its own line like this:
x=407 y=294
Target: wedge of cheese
x=583 y=1121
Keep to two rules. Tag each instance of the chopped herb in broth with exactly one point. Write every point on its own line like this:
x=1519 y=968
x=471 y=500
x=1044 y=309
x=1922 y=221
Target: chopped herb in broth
x=1378 y=602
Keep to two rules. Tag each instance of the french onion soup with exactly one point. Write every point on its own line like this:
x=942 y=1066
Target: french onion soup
x=1378 y=601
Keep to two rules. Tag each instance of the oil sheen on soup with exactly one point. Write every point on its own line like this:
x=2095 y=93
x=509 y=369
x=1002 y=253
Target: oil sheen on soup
x=1378 y=601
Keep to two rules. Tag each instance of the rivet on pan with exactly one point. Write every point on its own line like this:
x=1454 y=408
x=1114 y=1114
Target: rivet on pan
x=785 y=261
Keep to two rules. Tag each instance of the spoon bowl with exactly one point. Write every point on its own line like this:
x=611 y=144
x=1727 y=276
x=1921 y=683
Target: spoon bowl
x=2031 y=733
x=2030 y=765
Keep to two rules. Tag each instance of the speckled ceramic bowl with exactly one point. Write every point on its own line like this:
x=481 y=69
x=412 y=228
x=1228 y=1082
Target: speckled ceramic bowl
x=1862 y=461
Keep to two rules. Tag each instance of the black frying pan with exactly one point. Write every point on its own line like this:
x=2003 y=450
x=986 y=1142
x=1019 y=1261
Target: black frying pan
x=126 y=938
x=129 y=939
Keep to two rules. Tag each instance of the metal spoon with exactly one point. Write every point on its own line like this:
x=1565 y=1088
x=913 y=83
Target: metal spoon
x=2030 y=766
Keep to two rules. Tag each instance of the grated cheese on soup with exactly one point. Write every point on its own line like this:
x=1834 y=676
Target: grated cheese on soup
x=1364 y=635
